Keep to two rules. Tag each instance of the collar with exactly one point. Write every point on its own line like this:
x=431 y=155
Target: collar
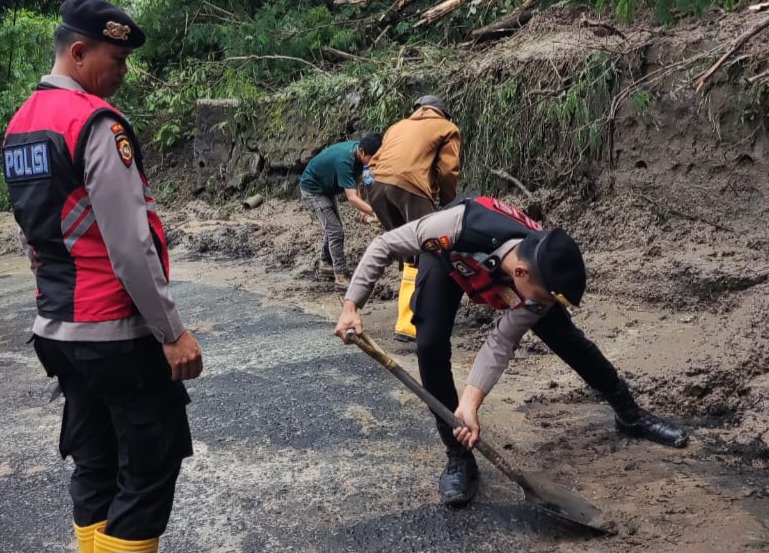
x=62 y=81
x=492 y=261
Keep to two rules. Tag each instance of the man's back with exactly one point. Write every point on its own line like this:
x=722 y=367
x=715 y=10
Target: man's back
x=415 y=147
x=332 y=170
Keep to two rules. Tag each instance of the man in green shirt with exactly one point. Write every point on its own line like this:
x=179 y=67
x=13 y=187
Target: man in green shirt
x=333 y=171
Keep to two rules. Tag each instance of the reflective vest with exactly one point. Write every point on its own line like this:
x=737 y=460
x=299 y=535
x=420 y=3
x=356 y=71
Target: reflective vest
x=43 y=159
x=487 y=224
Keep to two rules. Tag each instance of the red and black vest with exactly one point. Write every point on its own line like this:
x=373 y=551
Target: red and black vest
x=486 y=225
x=43 y=165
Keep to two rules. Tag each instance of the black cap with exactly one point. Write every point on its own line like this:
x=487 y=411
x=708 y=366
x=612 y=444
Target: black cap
x=102 y=21
x=433 y=101
x=561 y=267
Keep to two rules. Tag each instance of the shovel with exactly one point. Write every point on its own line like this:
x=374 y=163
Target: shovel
x=547 y=496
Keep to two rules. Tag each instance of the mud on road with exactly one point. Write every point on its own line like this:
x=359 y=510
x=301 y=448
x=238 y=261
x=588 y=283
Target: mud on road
x=702 y=366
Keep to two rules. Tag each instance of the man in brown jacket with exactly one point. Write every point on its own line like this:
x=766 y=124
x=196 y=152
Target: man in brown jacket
x=415 y=171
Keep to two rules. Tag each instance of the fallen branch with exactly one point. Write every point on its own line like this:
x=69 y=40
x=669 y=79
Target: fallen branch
x=436 y=12
x=396 y=7
x=275 y=57
x=507 y=24
x=344 y=55
x=683 y=215
x=353 y=2
x=607 y=29
x=757 y=28
x=758 y=77
x=382 y=34
x=758 y=7
x=504 y=175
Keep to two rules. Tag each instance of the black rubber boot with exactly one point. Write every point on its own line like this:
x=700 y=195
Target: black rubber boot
x=639 y=422
x=459 y=479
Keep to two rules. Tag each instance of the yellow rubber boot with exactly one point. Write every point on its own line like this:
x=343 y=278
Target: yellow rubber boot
x=103 y=543
x=403 y=327
x=85 y=535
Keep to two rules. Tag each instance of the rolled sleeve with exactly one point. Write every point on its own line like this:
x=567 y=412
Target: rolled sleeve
x=495 y=354
x=116 y=192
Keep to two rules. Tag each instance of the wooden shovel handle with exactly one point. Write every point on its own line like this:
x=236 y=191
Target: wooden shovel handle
x=364 y=342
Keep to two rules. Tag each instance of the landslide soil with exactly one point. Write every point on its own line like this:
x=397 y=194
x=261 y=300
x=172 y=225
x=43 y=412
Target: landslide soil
x=703 y=366
x=701 y=363
x=677 y=247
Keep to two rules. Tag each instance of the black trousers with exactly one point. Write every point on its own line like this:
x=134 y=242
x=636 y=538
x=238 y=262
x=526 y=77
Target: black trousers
x=435 y=303
x=125 y=426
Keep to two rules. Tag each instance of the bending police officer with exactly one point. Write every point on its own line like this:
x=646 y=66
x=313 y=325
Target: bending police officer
x=498 y=256
x=107 y=326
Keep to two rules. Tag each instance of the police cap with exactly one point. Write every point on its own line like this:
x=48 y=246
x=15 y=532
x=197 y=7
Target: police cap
x=433 y=101
x=561 y=267
x=100 y=20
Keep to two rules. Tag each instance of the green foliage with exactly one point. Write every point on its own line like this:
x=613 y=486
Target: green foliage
x=26 y=53
x=5 y=201
x=46 y=7
x=641 y=101
x=666 y=11
x=545 y=137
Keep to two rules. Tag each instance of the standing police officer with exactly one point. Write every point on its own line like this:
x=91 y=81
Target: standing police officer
x=107 y=326
x=498 y=256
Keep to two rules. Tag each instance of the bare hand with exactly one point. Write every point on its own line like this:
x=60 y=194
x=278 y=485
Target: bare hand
x=348 y=320
x=467 y=412
x=184 y=357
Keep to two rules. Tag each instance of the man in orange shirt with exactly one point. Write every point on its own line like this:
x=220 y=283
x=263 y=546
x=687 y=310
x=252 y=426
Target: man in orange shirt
x=415 y=172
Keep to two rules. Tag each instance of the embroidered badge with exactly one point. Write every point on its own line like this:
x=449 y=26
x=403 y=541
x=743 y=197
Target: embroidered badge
x=445 y=242
x=116 y=31
x=431 y=245
x=117 y=128
x=124 y=149
x=463 y=268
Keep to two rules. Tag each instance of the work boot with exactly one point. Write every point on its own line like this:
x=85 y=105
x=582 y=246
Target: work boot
x=341 y=281
x=459 y=479
x=636 y=421
x=324 y=269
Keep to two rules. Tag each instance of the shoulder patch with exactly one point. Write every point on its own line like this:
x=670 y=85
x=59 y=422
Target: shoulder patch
x=124 y=149
x=27 y=161
x=431 y=245
x=117 y=128
x=445 y=242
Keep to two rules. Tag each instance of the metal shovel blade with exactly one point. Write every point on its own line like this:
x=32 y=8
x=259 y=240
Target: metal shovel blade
x=553 y=499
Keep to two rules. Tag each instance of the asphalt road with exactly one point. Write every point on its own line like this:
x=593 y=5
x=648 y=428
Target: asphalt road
x=301 y=444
